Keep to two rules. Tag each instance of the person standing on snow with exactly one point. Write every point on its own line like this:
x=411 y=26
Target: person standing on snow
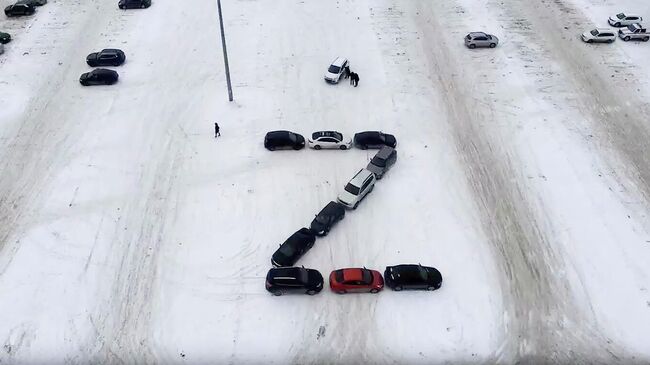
x=217 y=133
x=346 y=71
x=354 y=79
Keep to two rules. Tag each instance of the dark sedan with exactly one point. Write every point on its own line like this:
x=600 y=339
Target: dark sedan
x=99 y=76
x=277 y=140
x=374 y=139
x=293 y=248
x=106 y=57
x=412 y=277
x=19 y=10
x=327 y=217
x=287 y=280
x=134 y=4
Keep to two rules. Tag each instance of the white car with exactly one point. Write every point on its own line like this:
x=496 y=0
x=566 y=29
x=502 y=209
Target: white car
x=359 y=186
x=336 y=70
x=599 y=35
x=634 y=32
x=623 y=20
x=330 y=140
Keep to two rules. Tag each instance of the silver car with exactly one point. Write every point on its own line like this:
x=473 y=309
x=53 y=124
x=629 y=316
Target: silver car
x=359 y=186
x=480 y=39
x=382 y=162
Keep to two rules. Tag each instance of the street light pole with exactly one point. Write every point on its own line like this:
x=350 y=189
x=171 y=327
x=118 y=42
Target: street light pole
x=225 y=52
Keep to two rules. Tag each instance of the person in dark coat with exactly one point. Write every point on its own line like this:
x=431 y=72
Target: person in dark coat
x=346 y=71
x=217 y=133
x=354 y=79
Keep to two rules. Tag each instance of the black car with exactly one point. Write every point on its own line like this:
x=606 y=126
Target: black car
x=412 y=277
x=99 y=76
x=134 y=4
x=32 y=2
x=283 y=140
x=373 y=139
x=293 y=248
x=327 y=217
x=19 y=10
x=285 y=280
x=106 y=57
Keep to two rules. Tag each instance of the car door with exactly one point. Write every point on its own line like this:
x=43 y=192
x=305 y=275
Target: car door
x=106 y=59
x=632 y=19
x=480 y=41
x=132 y=4
x=327 y=142
x=365 y=188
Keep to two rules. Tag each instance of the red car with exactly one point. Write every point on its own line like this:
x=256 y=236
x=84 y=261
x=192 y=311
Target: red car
x=356 y=281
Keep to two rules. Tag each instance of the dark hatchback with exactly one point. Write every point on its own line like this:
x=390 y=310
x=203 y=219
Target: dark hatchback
x=19 y=10
x=293 y=248
x=294 y=280
x=373 y=139
x=407 y=276
x=99 y=76
x=106 y=57
x=327 y=217
x=134 y=4
x=276 y=140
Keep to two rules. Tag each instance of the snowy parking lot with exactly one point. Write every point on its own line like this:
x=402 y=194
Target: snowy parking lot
x=129 y=234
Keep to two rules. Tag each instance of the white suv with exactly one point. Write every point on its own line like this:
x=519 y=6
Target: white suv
x=599 y=36
x=361 y=185
x=623 y=20
x=336 y=70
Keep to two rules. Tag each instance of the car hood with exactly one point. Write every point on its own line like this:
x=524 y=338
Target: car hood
x=587 y=35
x=347 y=197
x=84 y=76
x=315 y=278
x=92 y=56
x=374 y=169
x=390 y=140
x=329 y=75
x=300 y=139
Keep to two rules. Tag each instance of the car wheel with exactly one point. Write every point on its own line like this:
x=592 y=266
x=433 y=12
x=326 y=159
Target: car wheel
x=610 y=41
x=270 y=148
x=472 y=46
x=317 y=147
x=297 y=147
x=277 y=293
x=343 y=148
x=311 y=292
x=431 y=288
x=374 y=291
x=355 y=205
x=590 y=41
x=626 y=38
x=341 y=292
x=617 y=24
x=398 y=288
x=492 y=45
x=646 y=39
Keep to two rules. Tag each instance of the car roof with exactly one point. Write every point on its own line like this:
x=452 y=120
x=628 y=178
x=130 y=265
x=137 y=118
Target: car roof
x=319 y=134
x=286 y=272
x=111 y=50
x=352 y=274
x=338 y=61
x=280 y=133
x=478 y=34
x=103 y=71
x=604 y=30
x=360 y=177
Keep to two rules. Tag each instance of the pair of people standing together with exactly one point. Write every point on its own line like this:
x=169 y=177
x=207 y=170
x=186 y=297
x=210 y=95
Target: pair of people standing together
x=354 y=77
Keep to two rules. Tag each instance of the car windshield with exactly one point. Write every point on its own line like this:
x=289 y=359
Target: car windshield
x=594 y=32
x=352 y=189
x=620 y=16
x=323 y=218
x=378 y=161
x=366 y=277
x=334 y=69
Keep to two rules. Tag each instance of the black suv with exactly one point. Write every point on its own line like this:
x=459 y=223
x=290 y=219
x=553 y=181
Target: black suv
x=19 y=9
x=293 y=248
x=285 y=280
x=412 y=277
x=372 y=139
x=328 y=216
x=99 y=76
x=283 y=140
x=134 y=4
x=106 y=57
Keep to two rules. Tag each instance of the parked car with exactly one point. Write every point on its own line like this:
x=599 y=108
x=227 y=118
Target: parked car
x=326 y=218
x=408 y=276
x=356 y=280
x=99 y=76
x=374 y=139
x=382 y=162
x=5 y=38
x=287 y=280
x=599 y=35
x=336 y=70
x=280 y=140
x=481 y=39
x=32 y=2
x=106 y=57
x=293 y=248
x=623 y=20
x=330 y=140
x=359 y=186
x=134 y=4
x=634 y=32
x=19 y=10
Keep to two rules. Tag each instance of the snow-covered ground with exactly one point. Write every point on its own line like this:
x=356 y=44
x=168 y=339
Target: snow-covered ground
x=128 y=234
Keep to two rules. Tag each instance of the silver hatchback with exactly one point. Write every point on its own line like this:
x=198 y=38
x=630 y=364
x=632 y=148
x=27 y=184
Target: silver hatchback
x=480 y=39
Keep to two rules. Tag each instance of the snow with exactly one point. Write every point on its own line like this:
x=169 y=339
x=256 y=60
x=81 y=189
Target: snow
x=130 y=235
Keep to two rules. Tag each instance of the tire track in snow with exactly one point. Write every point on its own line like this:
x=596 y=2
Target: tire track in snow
x=540 y=316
